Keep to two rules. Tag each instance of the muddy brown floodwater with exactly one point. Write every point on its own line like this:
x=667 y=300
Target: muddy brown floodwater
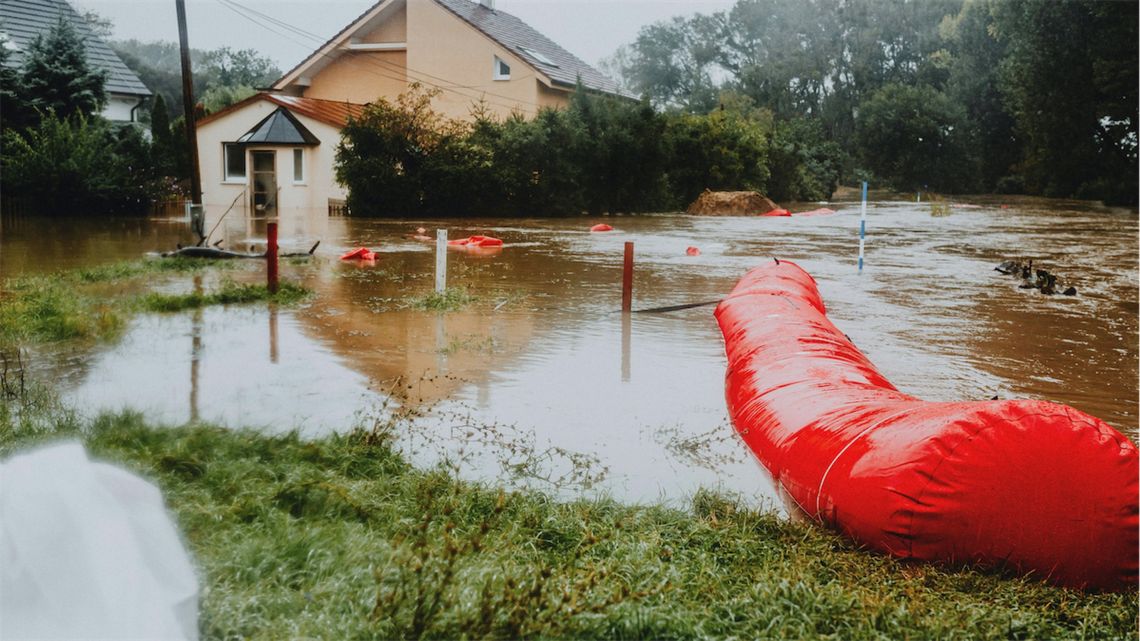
x=538 y=381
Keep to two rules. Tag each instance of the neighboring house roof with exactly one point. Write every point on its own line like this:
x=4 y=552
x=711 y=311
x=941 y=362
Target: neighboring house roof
x=23 y=20
x=562 y=67
x=279 y=128
x=330 y=112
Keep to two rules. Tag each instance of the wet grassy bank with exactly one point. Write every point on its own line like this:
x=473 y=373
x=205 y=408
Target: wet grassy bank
x=95 y=303
x=339 y=538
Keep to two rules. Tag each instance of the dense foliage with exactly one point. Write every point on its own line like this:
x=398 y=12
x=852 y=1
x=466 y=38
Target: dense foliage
x=56 y=152
x=597 y=155
x=222 y=76
x=960 y=95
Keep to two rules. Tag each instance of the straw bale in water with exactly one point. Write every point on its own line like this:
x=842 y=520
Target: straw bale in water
x=731 y=203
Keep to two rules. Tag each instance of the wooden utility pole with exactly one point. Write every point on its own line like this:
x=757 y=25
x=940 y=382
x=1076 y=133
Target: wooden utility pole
x=188 y=104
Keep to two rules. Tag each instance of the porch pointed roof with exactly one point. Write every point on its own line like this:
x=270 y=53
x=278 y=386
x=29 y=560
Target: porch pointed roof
x=279 y=128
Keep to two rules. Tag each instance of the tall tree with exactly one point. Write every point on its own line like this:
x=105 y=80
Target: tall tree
x=14 y=107
x=57 y=78
x=975 y=56
x=1070 y=78
x=914 y=138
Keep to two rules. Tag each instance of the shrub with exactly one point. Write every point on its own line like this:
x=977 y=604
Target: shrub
x=79 y=165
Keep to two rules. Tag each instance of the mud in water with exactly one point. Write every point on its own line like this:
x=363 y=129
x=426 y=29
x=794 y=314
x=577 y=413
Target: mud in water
x=536 y=379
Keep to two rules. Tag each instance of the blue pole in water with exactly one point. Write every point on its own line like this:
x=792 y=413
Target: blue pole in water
x=862 y=225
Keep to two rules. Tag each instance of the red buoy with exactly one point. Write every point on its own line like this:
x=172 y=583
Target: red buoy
x=601 y=227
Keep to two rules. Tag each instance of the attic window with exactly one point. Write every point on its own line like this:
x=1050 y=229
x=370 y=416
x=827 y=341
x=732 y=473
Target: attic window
x=538 y=56
x=502 y=70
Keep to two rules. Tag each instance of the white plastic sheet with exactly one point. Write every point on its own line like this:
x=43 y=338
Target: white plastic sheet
x=88 y=551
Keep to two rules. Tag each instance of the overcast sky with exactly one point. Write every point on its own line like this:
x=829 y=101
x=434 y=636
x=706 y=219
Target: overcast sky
x=590 y=29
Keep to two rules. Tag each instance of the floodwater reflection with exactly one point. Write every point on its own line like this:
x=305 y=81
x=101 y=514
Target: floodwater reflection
x=537 y=379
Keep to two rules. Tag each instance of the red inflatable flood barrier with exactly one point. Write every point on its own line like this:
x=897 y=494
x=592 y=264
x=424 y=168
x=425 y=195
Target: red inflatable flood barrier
x=361 y=253
x=476 y=241
x=777 y=212
x=1031 y=486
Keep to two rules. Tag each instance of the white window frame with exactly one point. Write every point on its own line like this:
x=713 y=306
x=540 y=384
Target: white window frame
x=299 y=164
x=227 y=148
x=499 y=65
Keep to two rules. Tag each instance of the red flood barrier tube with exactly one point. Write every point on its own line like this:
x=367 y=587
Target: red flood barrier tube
x=601 y=227
x=777 y=212
x=476 y=241
x=1032 y=486
x=361 y=253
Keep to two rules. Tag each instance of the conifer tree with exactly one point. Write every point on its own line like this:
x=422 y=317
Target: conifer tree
x=56 y=76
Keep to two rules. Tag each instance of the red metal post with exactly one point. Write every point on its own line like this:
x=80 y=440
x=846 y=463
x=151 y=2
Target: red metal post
x=627 y=279
x=271 y=256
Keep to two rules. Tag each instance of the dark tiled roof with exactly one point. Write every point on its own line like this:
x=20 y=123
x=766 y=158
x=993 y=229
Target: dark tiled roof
x=279 y=128
x=330 y=112
x=518 y=36
x=23 y=20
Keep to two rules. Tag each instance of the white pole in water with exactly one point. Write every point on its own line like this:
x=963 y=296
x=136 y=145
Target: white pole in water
x=862 y=226
x=440 y=260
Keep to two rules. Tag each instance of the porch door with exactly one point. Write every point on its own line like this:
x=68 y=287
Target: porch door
x=264 y=192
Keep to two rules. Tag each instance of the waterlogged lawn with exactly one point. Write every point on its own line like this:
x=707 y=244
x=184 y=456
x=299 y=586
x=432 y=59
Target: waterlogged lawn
x=76 y=304
x=340 y=538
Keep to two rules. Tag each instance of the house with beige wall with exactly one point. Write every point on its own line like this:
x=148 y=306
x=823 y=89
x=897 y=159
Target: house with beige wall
x=282 y=142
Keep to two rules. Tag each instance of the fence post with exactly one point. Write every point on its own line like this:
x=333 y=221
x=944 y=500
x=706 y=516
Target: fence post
x=271 y=256
x=862 y=225
x=440 y=260
x=627 y=279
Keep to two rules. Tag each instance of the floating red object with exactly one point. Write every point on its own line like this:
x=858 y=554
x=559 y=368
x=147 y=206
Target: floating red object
x=693 y=251
x=1031 y=486
x=779 y=211
x=361 y=253
x=476 y=241
x=601 y=227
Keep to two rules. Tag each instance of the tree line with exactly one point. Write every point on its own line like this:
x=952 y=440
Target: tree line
x=598 y=154
x=1018 y=96
x=60 y=156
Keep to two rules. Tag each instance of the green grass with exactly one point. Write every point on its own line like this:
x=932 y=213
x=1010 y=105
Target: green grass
x=230 y=293
x=339 y=538
x=449 y=300
x=76 y=304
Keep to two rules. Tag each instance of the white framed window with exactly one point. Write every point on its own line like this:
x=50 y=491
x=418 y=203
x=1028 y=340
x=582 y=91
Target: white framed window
x=234 y=160
x=502 y=70
x=298 y=165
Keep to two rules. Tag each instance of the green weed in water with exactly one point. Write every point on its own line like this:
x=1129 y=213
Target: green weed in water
x=449 y=300
x=230 y=294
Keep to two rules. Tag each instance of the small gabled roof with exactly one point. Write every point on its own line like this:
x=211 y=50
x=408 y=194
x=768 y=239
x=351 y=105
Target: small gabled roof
x=561 y=66
x=543 y=54
x=330 y=112
x=279 y=128
x=23 y=20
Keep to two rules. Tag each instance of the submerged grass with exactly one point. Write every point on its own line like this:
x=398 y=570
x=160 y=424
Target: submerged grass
x=449 y=300
x=339 y=538
x=230 y=293
x=75 y=304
